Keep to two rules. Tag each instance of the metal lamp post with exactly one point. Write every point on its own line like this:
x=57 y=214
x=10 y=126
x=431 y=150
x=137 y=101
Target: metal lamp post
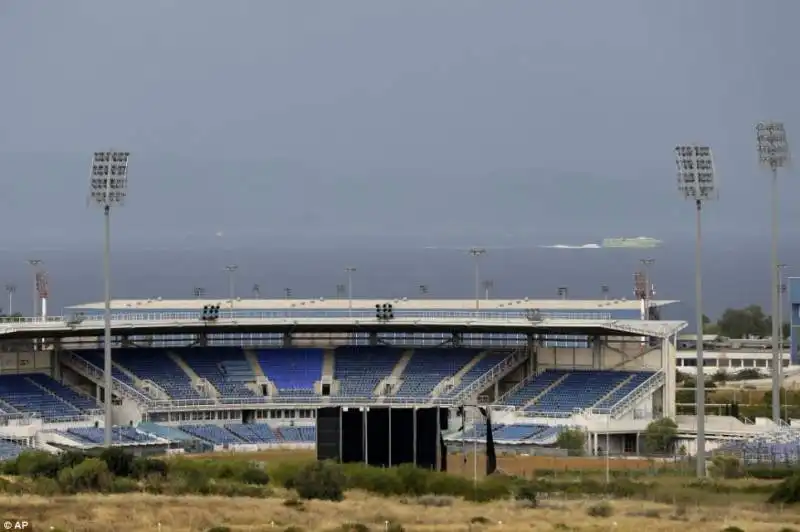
x=350 y=270
x=108 y=186
x=477 y=253
x=697 y=182
x=773 y=153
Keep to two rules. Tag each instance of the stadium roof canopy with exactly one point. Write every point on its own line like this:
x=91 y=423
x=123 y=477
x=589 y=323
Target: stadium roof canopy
x=155 y=304
x=93 y=326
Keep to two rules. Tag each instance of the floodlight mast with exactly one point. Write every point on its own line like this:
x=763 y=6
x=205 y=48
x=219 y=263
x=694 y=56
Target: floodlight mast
x=10 y=289
x=231 y=269
x=108 y=186
x=35 y=265
x=697 y=182
x=350 y=271
x=477 y=253
x=773 y=153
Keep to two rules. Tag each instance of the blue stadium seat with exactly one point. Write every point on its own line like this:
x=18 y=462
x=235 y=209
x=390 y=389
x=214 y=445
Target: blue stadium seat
x=292 y=371
x=97 y=359
x=164 y=431
x=9 y=450
x=155 y=365
x=253 y=432
x=226 y=368
x=359 y=370
x=534 y=387
x=298 y=434
x=212 y=434
x=21 y=393
x=428 y=367
x=637 y=379
x=80 y=401
x=120 y=435
x=489 y=361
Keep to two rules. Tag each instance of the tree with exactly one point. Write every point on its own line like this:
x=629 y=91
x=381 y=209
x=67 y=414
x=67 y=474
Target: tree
x=573 y=441
x=745 y=322
x=17 y=316
x=659 y=435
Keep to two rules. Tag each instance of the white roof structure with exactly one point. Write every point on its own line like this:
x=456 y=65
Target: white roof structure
x=156 y=323
x=399 y=304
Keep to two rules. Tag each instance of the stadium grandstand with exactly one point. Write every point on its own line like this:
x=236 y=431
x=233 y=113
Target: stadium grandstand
x=252 y=375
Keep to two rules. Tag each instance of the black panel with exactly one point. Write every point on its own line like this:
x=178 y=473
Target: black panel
x=427 y=438
x=378 y=437
x=328 y=434
x=402 y=436
x=352 y=435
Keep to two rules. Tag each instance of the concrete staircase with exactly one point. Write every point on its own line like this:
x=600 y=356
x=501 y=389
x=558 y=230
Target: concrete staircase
x=448 y=383
x=400 y=367
x=547 y=390
x=200 y=384
x=328 y=364
x=252 y=359
x=194 y=377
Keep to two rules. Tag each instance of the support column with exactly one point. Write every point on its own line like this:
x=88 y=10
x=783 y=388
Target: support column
x=670 y=385
x=373 y=339
x=456 y=339
x=597 y=352
x=287 y=340
x=202 y=339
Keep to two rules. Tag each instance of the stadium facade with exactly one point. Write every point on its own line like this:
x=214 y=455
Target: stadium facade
x=253 y=375
x=793 y=291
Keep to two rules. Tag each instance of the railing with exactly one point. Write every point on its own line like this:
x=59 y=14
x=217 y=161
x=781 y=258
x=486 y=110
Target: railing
x=498 y=371
x=641 y=391
x=260 y=402
x=308 y=312
x=116 y=385
x=521 y=384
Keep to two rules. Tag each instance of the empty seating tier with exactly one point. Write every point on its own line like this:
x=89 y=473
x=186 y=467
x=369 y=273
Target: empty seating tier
x=155 y=365
x=359 y=370
x=564 y=392
x=428 y=367
x=292 y=371
x=490 y=360
x=22 y=393
x=226 y=368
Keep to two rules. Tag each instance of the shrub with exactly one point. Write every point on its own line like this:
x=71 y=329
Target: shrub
x=320 y=480
x=787 y=492
x=144 y=467
x=70 y=459
x=436 y=501
x=480 y=520
x=118 y=461
x=295 y=504
x=37 y=464
x=601 y=509
x=254 y=475
x=219 y=529
x=124 y=485
x=393 y=526
x=44 y=487
x=528 y=492
x=90 y=475
x=732 y=529
x=726 y=467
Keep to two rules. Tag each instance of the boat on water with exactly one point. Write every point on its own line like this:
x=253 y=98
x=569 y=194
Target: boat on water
x=632 y=242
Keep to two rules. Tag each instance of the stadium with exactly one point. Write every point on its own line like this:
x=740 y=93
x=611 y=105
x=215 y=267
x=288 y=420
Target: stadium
x=247 y=375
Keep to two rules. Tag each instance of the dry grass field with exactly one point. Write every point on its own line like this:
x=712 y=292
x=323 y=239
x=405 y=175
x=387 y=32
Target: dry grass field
x=140 y=513
x=459 y=464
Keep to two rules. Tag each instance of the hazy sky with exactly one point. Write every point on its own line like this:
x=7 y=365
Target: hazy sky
x=442 y=120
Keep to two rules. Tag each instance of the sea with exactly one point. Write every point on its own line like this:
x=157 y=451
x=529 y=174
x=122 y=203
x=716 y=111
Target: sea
x=735 y=271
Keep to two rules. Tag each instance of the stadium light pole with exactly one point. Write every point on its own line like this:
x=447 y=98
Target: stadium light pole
x=10 y=289
x=108 y=186
x=231 y=269
x=350 y=271
x=604 y=289
x=199 y=292
x=35 y=263
x=697 y=182
x=488 y=285
x=773 y=153
x=781 y=291
x=477 y=253
x=423 y=289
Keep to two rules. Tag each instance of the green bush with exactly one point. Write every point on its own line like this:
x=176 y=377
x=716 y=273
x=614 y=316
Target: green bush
x=320 y=480
x=144 y=467
x=90 y=475
x=118 y=461
x=787 y=492
x=726 y=467
x=44 y=487
x=70 y=459
x=253 y=474
x=124 y=485
x=37 y=464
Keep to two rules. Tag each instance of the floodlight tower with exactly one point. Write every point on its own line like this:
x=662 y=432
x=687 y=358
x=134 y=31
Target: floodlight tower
x=477 y=253
x=35 y=263
x=773 y=153
x=605 y=289
x=697 y=182
x=199 y=292
x=10 y=289
x=781 y=292
x=350 y=270
x=108 y=186
x=231 y=269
